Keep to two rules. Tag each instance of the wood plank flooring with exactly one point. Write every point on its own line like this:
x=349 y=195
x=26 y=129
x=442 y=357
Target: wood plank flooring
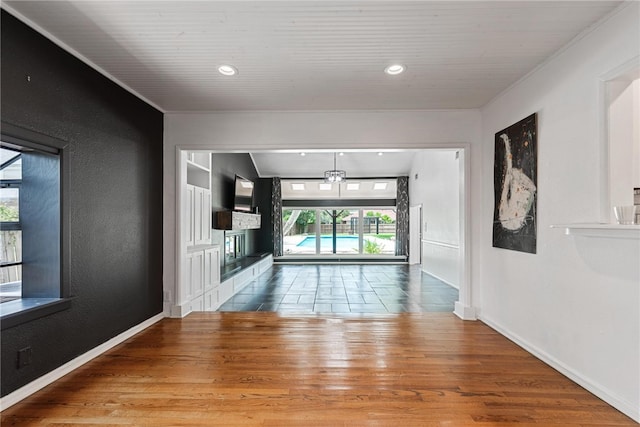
x=271 y=369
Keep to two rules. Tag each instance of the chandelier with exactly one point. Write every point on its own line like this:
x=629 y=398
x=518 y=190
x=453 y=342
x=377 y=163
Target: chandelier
x=335 y=175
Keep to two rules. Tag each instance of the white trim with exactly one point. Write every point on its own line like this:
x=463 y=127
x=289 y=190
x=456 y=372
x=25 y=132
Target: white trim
x=27 y=390
x=627 y=408
x=603 y=130
x=255 y=166
x=463 y=307
x=355 y=111
x=438 y=243
x=181 y=310
x=415 y=258
x=77 y=54
x=464 y=312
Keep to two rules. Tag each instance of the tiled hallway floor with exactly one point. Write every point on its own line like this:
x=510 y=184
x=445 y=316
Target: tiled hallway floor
x=369 y=289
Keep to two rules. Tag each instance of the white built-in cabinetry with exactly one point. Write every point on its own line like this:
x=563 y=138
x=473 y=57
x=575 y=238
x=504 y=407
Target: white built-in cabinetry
x=234 y=284
x=199 y=260
x=198 y=286
x=202 y=282
x=198 y=215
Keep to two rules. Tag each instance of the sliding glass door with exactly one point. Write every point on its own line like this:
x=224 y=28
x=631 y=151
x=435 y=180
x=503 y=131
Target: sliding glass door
x=379 y=231
x=339 y=231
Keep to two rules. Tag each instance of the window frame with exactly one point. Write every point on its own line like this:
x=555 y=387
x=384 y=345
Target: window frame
x=28 y=309
x=326 y=206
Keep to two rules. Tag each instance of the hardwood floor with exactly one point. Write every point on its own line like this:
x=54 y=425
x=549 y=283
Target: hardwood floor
x=271 y=369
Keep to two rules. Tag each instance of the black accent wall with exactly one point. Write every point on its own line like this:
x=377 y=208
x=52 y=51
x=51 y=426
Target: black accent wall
x=224 y=168
x=114 y=199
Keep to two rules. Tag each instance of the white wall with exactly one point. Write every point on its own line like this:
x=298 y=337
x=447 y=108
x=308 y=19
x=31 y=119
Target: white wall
x=331 y=130
x=576 y=302
x=437 y=190
x=624 y=141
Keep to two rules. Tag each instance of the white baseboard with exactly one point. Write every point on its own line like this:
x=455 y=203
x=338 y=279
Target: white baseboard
x=622 y=405
x=464 y=312
x=179 y=311
x=27 y=390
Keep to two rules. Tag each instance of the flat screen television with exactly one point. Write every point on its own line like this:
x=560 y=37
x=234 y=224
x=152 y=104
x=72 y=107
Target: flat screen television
x=243 y=194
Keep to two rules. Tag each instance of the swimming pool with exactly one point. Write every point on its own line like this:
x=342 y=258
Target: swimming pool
x=343 y=243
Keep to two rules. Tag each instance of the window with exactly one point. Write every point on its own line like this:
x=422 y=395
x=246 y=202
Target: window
x=31 y=243
x=339 y=231
x=353 y=218
x=10 y=228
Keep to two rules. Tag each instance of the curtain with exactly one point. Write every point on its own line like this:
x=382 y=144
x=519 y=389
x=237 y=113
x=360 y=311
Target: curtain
x=402 y=216
x=276 y=216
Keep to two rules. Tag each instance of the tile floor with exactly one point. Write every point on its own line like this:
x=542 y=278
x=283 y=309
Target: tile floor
x=343 y=289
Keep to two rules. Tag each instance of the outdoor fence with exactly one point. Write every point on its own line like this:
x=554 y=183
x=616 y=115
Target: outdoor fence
x=343 y=229
x=10 y=250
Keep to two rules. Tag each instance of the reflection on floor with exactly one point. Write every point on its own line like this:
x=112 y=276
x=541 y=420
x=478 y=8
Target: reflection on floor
x=344 y=289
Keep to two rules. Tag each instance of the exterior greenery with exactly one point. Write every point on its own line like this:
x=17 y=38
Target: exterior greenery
x=8 y=214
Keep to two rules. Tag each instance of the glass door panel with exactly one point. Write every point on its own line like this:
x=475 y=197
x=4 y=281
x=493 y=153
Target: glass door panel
x=379 y=231
x=368 y=231
x=299 y=231
x=348 y=232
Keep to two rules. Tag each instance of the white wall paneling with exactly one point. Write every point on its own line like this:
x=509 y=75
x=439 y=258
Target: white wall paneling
x=197 y=261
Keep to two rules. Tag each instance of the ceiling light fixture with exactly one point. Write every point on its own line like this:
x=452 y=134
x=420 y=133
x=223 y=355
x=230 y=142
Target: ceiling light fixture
x=227 y=70
x=353 y=186
x=303 y=154
x=325 y=186
x=395 y=69
x=380 y=153
x=335 y=175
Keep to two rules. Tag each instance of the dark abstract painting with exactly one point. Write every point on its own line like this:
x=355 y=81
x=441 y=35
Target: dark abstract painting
x=515 y=187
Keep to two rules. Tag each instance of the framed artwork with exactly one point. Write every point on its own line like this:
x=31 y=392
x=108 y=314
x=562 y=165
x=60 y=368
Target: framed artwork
x=515 y=186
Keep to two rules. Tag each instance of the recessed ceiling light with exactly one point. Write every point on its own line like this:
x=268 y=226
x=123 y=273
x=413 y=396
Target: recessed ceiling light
x=380 y=153
x=325 y=186
x=303 y=154
x=227 y=70
x=352 y=186
x=395 y=69
x=297 y=186
x=380 y=186
x=341 y=154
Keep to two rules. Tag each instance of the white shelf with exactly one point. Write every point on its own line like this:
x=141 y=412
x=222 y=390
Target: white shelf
x=198 y=175
x=617 y=231
x=193 y=165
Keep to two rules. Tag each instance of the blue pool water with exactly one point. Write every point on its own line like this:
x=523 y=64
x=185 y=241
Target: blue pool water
x=342 y=242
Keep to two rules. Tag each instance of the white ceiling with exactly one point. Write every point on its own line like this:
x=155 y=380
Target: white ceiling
x=314 y=55
x=357 y=164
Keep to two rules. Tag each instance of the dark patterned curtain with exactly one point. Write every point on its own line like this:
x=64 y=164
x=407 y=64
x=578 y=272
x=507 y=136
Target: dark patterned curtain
x=402 y=216
x=276 y=216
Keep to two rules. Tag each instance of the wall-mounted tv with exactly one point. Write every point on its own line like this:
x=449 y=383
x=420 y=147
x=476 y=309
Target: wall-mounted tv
x=243 y=195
